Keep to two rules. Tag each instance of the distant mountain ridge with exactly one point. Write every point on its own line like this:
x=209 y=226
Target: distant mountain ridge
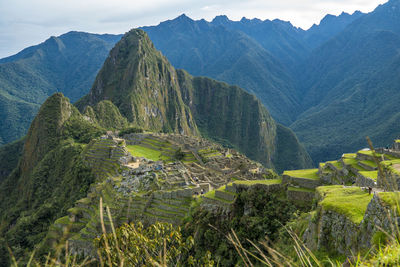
x=67 y=63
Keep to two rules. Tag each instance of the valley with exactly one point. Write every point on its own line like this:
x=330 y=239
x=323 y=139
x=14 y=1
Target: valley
x=205 y=143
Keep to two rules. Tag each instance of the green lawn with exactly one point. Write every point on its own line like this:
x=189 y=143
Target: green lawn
x=370 y=174
x=307 y=173
x=148 y=153
x=349 y=201
x=253 y=182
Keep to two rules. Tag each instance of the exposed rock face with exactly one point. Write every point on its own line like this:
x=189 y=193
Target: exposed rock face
x=378 y=217
x=151 y=94
x=333 y=231
x=143 y=85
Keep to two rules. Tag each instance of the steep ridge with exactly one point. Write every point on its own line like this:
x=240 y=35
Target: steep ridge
x=151 y=94
x=67 y=64
x=329 y=26
x=280 y=38
x=351 y=81
x=222 y=52
x=143 y=85
x=50 y=174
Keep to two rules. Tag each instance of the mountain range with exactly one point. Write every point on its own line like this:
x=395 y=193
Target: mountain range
x=136 y=87
x=333 y=84
x=68 y=63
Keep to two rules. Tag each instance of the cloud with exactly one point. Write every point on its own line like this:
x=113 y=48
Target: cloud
x=24 y=23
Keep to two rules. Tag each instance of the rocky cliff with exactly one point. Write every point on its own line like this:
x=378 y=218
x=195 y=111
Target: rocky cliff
x=151 y=94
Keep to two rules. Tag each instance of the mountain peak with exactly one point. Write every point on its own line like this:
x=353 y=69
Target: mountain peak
x=183 y=17
x=143 y=85
x=221 y=19
x=45 y=129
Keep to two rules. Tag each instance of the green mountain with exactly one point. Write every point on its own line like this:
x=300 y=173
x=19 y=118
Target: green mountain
x=50 y=174
x=68 y=64
x=230 y=55
x=351 y=85
x=152 y=95
x=329 y=26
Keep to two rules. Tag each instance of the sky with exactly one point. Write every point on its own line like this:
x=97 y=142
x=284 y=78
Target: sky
x=29 y=22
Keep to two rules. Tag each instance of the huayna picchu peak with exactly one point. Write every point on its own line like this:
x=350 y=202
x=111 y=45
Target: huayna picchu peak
x=154 y=96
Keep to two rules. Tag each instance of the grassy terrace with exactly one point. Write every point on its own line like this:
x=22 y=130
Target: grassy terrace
x=253 y=182
x=211 y=195
x=349 y=161
x=369 y=163
x=148 y=153
x=391 y=199
x=338 y=165
x=349 y=201
x=349 y=156
x=300 y=189
x=370 y=174
x=307 y=174
x=369 y=153
x=389 y=165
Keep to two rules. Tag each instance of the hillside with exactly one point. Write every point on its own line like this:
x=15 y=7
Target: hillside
x=152 y=95
x=227 y=54
x=68 y=64
x=350 y=82
x=49 y=176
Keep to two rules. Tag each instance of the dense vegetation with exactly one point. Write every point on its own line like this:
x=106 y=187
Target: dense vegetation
x=255 y=215
x=333 y=84
x=68 y=64
x=49 y=177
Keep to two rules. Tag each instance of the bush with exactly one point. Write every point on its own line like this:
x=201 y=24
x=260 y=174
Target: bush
x=130 y=130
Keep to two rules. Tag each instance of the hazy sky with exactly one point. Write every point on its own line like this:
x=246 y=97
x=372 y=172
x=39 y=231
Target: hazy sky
x=28 y=22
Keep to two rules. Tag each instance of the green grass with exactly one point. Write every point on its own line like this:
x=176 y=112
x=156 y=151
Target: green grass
x=370 y=174
x=390 y=157
x=369 y=163
x=148 y=153
x=350 y=161
x=349 y=201
x=369 y=153
x=391 y=198
x=300 y=189
x=389 y=165
x=253 y=182
x=358 y=167
x=307 y=173
x=211 y=195
x=338 y=165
